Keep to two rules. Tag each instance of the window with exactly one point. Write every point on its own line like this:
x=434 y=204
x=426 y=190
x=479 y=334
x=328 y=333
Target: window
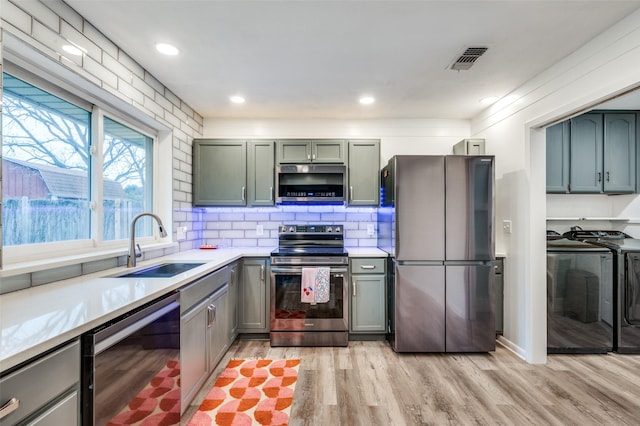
x=56 y=186
x=127 y=180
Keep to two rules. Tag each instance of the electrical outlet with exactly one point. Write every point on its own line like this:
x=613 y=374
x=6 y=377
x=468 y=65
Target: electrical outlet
x=181 y=233
x=506 y=226
x=259 y=230
x=371 y=229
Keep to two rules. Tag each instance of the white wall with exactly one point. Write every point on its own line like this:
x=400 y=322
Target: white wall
x=604 y=67
x=402 y=136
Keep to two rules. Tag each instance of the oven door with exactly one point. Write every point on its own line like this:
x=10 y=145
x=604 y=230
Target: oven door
x=289 y=313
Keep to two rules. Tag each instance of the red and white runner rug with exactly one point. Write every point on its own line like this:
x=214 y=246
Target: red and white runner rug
x=250 y=392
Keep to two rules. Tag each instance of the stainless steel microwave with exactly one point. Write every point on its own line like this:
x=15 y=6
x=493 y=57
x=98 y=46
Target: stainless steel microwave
x=310 y=184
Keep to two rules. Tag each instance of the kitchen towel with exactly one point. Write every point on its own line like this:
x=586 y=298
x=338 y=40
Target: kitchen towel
x=308 y=287
x=322 y=285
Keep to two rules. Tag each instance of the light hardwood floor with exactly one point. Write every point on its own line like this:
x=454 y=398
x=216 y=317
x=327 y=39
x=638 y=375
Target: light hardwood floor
x=367 y=383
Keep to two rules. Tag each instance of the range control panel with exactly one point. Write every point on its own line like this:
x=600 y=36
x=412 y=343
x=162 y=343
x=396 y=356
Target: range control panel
x=311 y=229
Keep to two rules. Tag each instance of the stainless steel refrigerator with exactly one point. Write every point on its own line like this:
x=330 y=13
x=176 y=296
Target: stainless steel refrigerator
x=436 y=222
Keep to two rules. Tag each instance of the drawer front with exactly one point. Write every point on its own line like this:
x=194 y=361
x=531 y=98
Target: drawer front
x=40 y=382
x=65 y=412
x=202 y=288
x=368 y=266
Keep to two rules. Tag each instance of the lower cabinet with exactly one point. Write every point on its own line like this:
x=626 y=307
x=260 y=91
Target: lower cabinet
x=217 y=327
x=368 y=295
x=234 y=285
x=204 y=330
x=499 y=294
x=45 y=391
x=253 y=296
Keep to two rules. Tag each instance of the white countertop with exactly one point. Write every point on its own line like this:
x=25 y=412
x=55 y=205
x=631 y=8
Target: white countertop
x=37 y=319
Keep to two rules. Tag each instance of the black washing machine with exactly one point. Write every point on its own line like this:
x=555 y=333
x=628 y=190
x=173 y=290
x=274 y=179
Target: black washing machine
x=626 y=279
x=580 y=302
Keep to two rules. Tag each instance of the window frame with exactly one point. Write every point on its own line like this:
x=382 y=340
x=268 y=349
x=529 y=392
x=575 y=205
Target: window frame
x=72 y=251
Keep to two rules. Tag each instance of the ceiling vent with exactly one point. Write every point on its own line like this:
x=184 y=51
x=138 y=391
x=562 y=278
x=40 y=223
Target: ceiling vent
x=468 y=58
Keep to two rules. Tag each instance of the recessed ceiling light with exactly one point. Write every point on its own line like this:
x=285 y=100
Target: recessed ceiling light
x=488 y=100
x=367 y=100
x=72 y=50
x=167 y=49
x=236 y=99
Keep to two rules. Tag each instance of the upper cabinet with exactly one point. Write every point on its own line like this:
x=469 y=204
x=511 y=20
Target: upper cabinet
x=558 y=158
x=364 y=173
x=233 y=172
x=592 y=153
x=260 y=172
x=310 y=151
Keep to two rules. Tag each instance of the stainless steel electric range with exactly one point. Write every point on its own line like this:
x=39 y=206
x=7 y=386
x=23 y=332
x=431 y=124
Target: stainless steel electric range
x=309 y=251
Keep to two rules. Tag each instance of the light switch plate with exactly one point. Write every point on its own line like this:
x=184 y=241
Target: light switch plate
x=506 y=226
x=259 y=230
x=181 y=233
x=371 y=230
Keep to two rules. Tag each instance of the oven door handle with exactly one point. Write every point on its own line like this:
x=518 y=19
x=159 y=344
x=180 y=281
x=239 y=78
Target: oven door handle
x=298 y=270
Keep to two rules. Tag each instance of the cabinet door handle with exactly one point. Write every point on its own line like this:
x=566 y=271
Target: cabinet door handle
x=354 y=289
x=244 y=190
x=308 y=157
x=368 y=266
x=608 y=176
x=261 y=272
x=211 y=315
x=12 y=405
x=351 y=193
x=599 y=177
x=271 y=193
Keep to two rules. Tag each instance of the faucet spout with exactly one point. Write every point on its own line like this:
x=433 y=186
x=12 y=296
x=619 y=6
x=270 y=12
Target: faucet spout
x=131 y=258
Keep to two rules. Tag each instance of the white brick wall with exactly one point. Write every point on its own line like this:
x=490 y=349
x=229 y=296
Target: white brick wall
x=236 y=227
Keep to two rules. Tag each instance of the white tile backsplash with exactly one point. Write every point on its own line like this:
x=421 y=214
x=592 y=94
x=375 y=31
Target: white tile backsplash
x=237 y=226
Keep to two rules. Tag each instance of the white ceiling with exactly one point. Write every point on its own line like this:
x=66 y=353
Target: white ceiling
x=313 y=59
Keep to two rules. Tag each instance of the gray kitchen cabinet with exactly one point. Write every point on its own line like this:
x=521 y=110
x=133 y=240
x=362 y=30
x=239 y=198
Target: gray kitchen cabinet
x=310 y=151
x=234 y=285
x=199 y=340
x=219 y=172
x=260 y=172
x=499 y=294
x=193 y=351
x=558 y=158
x=603 y=153
x=217 y=327
x=253 y=296
x=368 y=295
x=364 y=172
x=619 y=153
x=586 y=153
x=46 y=390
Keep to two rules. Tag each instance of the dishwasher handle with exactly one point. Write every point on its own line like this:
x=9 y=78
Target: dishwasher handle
x=133 y=324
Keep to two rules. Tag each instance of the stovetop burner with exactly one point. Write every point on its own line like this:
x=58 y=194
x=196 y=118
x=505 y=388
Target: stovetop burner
x=302 y=244
x=309 y=251
x=585 y=234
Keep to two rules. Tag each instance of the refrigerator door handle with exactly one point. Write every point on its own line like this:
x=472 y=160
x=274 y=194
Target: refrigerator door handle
x=418 y=262
x=469 y=263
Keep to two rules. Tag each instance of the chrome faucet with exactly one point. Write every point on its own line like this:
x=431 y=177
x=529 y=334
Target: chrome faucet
x=133 y=254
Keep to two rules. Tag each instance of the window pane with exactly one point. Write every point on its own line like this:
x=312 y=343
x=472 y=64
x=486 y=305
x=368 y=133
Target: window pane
x=127 y=180
x=45 y=166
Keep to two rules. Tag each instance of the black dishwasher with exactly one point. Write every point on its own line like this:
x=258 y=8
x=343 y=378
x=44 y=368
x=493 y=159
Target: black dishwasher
x=130 y=367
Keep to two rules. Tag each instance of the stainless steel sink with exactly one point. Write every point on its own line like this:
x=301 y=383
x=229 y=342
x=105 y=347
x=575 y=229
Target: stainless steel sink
x=164 y=270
